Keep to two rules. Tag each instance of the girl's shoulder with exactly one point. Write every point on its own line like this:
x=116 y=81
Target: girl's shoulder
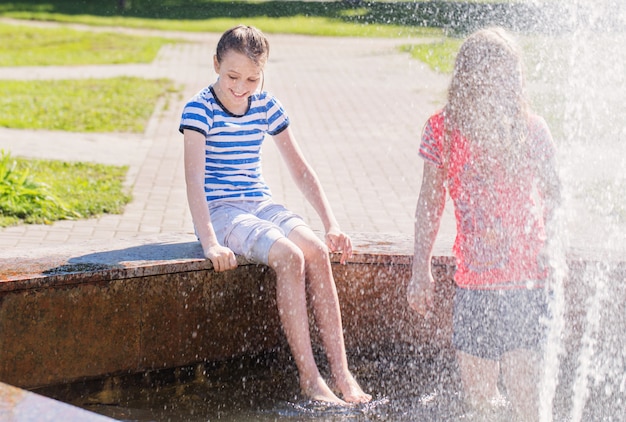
x=267 y=102
x=436 y=121
x=535 y=121
x=538 y=128
x=541 y=141
x=264 y=97
x=434 y=127
x=438 y=116
x=206 y=96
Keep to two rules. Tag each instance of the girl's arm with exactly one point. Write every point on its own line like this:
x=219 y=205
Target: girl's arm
x=430 y=205
x=546 y=171
x=307 y=181
x=222 y=258
x=549 y=187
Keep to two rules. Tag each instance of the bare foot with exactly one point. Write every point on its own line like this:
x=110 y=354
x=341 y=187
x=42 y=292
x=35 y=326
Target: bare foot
x=318 y=390
x=351 y=390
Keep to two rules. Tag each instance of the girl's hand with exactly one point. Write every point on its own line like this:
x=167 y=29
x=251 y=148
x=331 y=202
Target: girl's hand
x=223 y=258
x=543 y=260
x=420 y=293
x=544 y=265
x=339 y=242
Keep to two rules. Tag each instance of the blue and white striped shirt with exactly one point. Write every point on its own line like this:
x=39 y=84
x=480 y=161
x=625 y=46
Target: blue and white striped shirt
x=233 y=143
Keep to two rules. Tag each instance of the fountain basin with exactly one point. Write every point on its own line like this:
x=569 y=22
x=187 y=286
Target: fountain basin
x=88 y=310
x=92 y=312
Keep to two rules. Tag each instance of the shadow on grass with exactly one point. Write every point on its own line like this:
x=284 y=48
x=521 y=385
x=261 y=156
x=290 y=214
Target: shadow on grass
x=455 y=16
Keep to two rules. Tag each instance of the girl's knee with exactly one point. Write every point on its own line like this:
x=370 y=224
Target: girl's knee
x=316 y=251
x=317 y=259
x=285 y=255
x=308 y=241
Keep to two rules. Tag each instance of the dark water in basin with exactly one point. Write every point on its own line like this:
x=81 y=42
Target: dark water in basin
x=265 y=388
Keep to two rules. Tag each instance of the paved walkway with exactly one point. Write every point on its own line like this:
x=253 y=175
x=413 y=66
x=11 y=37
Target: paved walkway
x=357 y=107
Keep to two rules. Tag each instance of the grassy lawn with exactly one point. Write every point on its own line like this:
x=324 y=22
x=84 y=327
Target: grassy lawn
x=383 y=19
x=83 y=105
x=43 y=191
x=439 y=56
x=22 y=45
x=71 y=190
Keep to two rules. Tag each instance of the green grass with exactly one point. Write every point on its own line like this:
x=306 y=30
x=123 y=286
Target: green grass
x=42 y=191
x=319 y=26
x=336 y=18
x=297 y=24
x=439 y=56
x=21 y=45
x=121 y=104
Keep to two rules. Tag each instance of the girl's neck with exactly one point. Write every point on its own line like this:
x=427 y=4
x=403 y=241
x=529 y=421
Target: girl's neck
x=235 y=110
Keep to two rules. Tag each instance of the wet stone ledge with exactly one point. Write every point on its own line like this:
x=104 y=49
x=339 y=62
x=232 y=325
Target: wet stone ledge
x=89 y=310
x=17 y=405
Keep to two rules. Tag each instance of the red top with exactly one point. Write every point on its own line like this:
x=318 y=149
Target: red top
x=497 y=242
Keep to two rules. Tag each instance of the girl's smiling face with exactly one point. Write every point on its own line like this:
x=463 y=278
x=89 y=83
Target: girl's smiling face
x=239 y=78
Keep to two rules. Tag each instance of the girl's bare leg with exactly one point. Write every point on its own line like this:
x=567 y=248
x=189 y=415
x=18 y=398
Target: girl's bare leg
x=521 y=372
x=327 y=312
x=480 y=382
x=287 y=260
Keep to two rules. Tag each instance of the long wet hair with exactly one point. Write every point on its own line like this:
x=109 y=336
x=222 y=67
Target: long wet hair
x=486 y=103
x=246 y=40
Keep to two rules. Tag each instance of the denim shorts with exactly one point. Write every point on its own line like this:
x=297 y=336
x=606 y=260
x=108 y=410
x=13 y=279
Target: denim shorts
x=488 y=323
x=250 y=228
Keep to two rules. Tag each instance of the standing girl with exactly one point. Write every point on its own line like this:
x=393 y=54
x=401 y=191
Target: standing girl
x=233 y=213
x=497 y=161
